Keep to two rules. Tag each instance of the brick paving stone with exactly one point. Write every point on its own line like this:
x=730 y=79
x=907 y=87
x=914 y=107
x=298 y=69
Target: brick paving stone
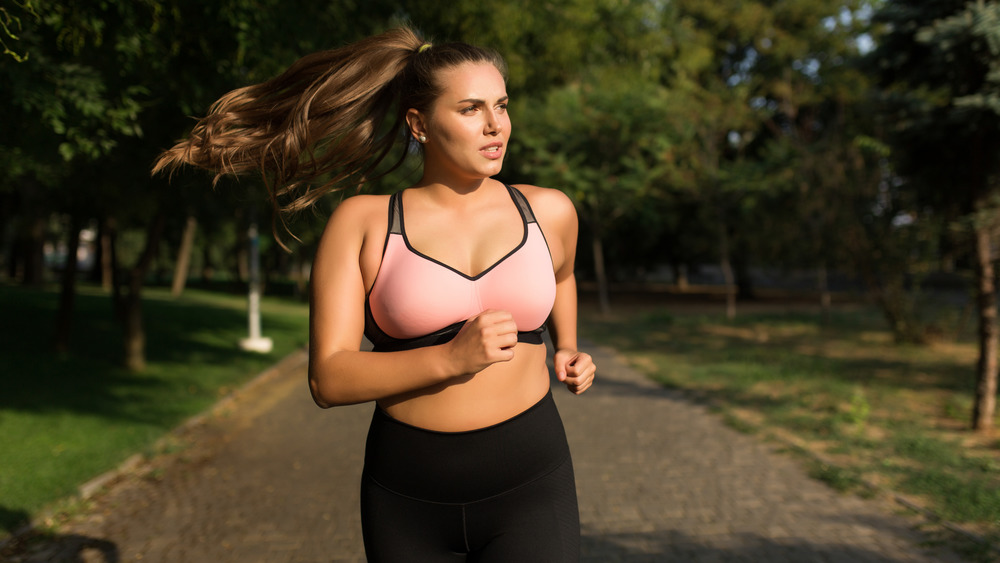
x=272 y=478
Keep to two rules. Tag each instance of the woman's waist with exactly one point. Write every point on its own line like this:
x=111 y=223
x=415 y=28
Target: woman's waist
x=491 y=396
x=454 y=467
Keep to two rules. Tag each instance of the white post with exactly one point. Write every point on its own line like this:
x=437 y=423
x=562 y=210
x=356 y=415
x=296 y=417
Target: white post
x=256 y=342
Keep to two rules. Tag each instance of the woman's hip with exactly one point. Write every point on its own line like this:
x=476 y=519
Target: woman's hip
x=462 y=467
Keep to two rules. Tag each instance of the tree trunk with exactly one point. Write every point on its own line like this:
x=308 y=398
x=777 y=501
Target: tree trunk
x=681 y=277
x=112 y=274
x=727 y=270
x=33 y=253
x=823 y=285
x=894 y=302
x=135 y=334
x=7 y=237
x=207 y=267
x=242 y=266
x=109 y=256
x=67 y=295
x=241 y=272
x=183 y=265
x=597 y=245
x=886 y=286
x=741 y=271
x=986 y=377
x=300 y=275
x=96 y=273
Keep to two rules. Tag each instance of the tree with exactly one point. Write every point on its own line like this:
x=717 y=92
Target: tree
x=748 y=73
x=605 y=146
x=66 y=119
x=939 y=65
x=551 y=44
x=99 y=73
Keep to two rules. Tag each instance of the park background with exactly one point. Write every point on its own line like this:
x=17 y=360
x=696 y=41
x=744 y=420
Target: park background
x=788 y=208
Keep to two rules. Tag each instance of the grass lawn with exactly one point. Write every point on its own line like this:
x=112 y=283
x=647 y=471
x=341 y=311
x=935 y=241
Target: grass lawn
x=870 y=410
x=67 y=418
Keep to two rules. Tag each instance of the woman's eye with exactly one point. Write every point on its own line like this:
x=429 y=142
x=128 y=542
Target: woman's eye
x=469 y=109
x=502 y=108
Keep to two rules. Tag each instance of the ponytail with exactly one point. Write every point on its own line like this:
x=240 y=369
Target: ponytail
x=328 y=122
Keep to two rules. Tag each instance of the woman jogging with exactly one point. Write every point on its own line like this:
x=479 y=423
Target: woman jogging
x=453 y=280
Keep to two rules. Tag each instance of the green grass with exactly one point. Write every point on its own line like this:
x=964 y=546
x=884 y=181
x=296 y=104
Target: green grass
x=67 y=418
x=873 y=411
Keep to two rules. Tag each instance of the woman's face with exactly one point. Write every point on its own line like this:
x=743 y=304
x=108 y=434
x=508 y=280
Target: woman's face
x=467 y=127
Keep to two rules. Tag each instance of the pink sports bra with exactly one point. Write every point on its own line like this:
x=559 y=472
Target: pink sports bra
x=419 y=301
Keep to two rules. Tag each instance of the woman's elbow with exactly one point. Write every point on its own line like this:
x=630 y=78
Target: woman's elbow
x=321 y=395
x=321 y=403
x=318 y=398
x=326 y=394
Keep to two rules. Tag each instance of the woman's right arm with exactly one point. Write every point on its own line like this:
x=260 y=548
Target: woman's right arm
x=341 y=374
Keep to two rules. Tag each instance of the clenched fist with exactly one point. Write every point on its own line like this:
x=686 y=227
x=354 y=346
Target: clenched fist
x=484 y=340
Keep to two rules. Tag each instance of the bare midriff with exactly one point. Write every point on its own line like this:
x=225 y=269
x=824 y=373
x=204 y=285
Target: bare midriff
x=496 y=394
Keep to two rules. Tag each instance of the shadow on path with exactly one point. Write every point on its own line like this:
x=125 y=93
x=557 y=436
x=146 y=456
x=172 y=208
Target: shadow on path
x=68 y=548
x=673 y=546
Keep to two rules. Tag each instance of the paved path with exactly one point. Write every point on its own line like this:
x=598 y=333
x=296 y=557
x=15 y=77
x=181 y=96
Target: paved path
x=275 y=479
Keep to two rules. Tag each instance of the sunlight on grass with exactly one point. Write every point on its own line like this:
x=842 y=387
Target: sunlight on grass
x=66 y=418
x=886 y=413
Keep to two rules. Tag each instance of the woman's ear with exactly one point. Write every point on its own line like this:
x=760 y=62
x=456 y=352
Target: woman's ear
x=415 y=121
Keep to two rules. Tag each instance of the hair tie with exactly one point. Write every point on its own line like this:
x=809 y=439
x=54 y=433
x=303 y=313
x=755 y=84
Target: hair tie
x=423 y=48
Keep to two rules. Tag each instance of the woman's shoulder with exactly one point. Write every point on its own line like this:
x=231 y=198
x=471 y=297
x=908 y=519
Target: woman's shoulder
x=358 y=216
x=548 y=202
x=360 y=210
x=358 y=206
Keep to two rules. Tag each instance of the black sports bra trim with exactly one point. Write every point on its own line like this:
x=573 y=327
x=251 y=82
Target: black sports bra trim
x=406 y=240
x=382 y=342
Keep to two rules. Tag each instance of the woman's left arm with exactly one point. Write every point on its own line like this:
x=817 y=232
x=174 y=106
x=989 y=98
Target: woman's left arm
x=557 y=217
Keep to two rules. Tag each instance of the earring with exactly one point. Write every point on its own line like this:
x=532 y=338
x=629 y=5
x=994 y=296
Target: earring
x=422 y=138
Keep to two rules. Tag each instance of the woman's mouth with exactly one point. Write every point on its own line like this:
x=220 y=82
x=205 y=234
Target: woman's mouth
x=492 y=150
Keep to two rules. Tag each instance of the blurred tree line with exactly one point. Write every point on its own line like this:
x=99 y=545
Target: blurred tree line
x=853 y=137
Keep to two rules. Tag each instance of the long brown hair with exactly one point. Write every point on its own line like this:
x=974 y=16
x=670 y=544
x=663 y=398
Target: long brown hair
x=330 y=119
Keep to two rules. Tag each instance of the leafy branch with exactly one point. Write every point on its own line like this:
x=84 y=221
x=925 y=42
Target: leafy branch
x=11 y=26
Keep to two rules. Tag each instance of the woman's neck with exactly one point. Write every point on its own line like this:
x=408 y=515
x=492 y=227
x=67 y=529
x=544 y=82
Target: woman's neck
x=462 y=199
x=443 y=189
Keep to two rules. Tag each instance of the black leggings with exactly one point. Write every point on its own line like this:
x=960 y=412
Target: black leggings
x=502 y=493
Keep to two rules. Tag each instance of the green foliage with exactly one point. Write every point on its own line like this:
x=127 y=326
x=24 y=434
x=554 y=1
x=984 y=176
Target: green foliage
x=551 y=44
x=757 y=86
x=602 y=142
x=661 y=119
x=841 y=479
x=685 y=94
x=940 y=67
x=10 y=26
x=859 y=411
x=72 y=86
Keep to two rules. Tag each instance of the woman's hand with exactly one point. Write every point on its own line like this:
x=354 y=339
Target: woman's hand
x=484 y=340
x=575 y=369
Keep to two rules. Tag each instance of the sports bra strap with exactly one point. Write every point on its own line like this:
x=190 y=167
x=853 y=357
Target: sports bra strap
x=395 y=213
x=396 y=209
x=522 y=203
